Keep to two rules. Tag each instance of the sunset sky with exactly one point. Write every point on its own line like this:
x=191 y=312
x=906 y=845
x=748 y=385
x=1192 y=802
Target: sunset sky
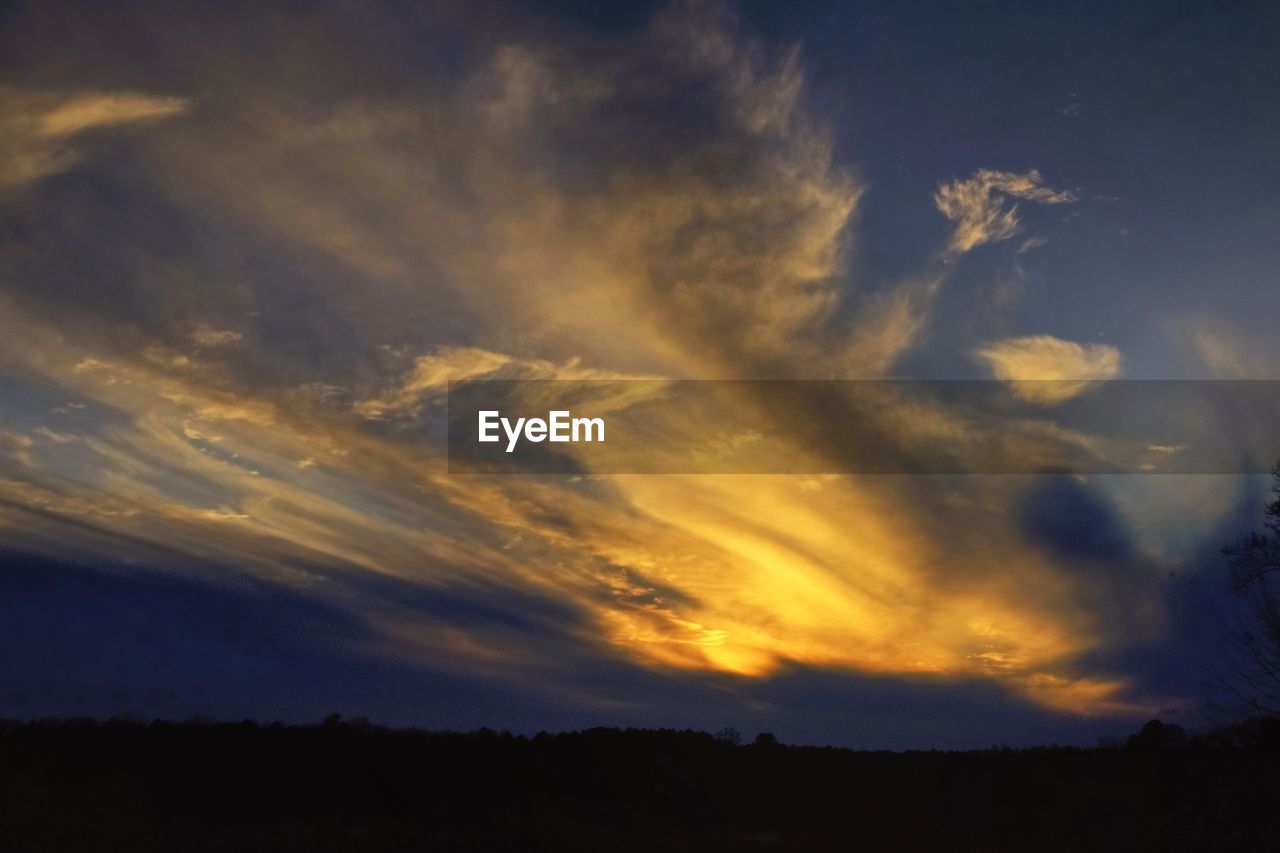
x=245 y=247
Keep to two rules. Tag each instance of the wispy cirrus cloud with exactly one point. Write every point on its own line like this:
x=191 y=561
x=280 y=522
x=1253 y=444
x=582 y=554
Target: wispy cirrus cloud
x=978 y=205
x=544 y=210
x=40 y=130
x=1222 y=352
x=430 y=376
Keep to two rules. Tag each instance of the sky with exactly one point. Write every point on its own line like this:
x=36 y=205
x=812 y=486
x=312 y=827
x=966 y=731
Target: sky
x=245 y=248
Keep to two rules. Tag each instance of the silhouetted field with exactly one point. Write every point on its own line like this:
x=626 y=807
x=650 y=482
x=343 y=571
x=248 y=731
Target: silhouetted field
x=352 y=787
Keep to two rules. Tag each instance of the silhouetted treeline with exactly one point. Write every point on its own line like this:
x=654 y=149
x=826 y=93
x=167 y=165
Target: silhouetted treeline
x=129 y=785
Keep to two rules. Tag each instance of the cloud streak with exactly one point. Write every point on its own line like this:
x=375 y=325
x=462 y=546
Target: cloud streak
x=41 y=130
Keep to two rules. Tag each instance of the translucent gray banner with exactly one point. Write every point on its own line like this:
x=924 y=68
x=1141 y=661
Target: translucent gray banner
x=578 y=427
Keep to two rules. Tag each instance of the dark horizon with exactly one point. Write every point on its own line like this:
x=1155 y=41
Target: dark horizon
x=343 y=786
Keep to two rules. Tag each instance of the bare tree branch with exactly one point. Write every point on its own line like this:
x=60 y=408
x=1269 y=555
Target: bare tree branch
x=1253 y=673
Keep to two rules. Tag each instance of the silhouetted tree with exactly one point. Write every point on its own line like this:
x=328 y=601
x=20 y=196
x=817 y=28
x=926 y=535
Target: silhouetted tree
x=1158 y=735
x=1254 y=565
x=729 y=735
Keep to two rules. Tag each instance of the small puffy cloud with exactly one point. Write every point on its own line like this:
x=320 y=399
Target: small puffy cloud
x=977 y=205
x=207 y=336
x=1073 y=368
x=36 y=128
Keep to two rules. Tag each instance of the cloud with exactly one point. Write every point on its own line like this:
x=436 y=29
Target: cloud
x=207 y=336
x=715 y=247
x=37 y=127
x=16 y=447
x=1074 y=106
x=431 y=374
x=524 y=83
x=888 y=324
x=380 y=240
x=1045 y=369
x=56 y=437
x=1168 y=449
x=1223 y=352
x=82 y=112
x=978 y=208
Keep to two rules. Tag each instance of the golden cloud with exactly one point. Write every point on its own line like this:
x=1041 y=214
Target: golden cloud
x=36 y=127
x=1045 y=369
x=977 y=207
x=448 y=236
